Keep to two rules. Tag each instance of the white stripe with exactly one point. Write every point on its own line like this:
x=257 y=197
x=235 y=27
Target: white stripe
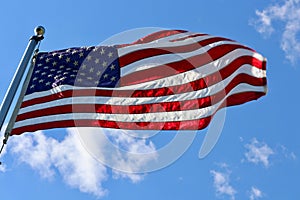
x=127 y=101
x=163 y=44
x=178 y=79
x=159 y=60
x=146 y=117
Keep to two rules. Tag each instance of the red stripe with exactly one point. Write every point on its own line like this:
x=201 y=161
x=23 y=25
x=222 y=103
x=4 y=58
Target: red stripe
x=144 y=108
x=182 y=125
x=188 y=87
x=154 y=36
x=150 y=52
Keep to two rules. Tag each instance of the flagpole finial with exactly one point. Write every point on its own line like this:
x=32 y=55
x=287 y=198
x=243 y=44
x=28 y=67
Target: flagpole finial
x=39 y=31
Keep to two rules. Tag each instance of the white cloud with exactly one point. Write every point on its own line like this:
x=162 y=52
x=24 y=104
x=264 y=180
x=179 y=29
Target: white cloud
x=258 y=152
x=222 y=183
x=125 y=154
x=77 y=167
x=132 y=145
x=70 y=159
x=255 y=193
x=289 y=14
x=35 y=150
x=46 y=155
x=263 y=24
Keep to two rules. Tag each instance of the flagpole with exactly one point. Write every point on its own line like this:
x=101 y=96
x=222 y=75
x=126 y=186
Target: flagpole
x=14 y=85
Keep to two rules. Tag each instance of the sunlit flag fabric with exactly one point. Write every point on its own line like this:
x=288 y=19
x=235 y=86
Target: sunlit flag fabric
x=168 y=80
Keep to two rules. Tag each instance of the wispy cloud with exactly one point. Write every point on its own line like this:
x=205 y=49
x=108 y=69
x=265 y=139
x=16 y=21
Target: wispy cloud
x=289 y=14
x=255 y=193
x=49 y=156
x=287 y=153
x=222 y=182
x=258 y=152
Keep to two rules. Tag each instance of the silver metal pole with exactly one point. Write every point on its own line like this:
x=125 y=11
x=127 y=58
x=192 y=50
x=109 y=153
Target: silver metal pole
x=10 y=94
x=14 y=114
x=15 y=83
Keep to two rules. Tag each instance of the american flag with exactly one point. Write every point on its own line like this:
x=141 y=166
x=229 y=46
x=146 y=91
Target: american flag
x=168 y=80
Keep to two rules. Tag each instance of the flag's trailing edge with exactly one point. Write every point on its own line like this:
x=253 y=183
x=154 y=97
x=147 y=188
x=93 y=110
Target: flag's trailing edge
x=169 y=80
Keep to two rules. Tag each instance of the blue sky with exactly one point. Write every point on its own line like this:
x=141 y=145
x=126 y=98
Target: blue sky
x=257 y=155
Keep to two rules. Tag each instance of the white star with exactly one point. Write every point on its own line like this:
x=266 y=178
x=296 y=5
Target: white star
x=110 y=54
x=113 y=78
x=102 y=51
x=112 y=67
x=97 y=61
x=104 y=64
x=99 y=73
x=83 y=66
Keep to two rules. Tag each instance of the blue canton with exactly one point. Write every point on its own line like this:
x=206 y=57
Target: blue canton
x=96 y=66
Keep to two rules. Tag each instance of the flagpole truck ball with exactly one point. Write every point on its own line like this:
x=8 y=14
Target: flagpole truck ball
x=39 y=30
